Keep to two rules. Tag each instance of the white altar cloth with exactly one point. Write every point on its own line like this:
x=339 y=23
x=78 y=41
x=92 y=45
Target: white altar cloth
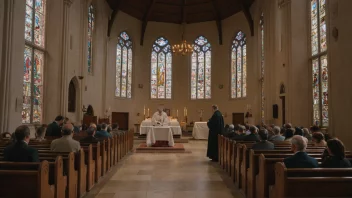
x=200 y=131
x=146 y=125
x=163 y=133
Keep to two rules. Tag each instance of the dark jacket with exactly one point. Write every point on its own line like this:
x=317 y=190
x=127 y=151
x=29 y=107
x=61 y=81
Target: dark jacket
x=102 y=134
x=238 y=137
x=252 y=137
x=89 y=139
x=53 y=130
x=300 y=160
x=277 y=138
x=335 y=162
x=263 y=145
x=20 y=152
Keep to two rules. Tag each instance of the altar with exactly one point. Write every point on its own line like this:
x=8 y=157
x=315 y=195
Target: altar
x=174 y=125
x=160 y=133
x=200 y=131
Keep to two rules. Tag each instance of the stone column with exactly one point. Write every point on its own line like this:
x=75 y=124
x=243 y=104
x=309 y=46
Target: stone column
x=12 y=16
x=65 y=50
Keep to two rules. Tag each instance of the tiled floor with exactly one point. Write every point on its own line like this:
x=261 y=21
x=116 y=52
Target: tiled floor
x=188 y=175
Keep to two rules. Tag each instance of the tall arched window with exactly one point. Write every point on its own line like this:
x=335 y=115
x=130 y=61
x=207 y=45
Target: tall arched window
x=319 y=63
x=33 y=61
x=201 y=69
x=91 y=23
x=239 y=66
x=161 y=70
x=124 y=66
x=262 y=66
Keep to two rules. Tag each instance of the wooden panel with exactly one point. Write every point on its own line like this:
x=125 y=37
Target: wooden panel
x=237 y=118
x=121 y=118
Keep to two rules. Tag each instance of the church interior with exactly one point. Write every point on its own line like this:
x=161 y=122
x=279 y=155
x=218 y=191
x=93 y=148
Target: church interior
x=164 y=85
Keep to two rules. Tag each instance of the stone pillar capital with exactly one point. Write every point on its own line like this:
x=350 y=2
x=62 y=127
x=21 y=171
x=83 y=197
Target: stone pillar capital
x=68 y=2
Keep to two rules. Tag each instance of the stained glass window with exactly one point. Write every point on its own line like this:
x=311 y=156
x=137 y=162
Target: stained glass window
x=91 y=23
x=319 y=63
x=262 y=66
x=33 y=61
x=239 y=66
x=123 y=66
x=161 y=70
x=201 y=69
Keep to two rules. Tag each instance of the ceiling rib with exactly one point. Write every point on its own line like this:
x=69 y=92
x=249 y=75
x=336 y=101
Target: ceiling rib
x=146 y=19
x=113 y=16
x=247 y=14
x=218 y=21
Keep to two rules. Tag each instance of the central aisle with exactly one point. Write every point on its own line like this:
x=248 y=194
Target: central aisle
x=170 y=175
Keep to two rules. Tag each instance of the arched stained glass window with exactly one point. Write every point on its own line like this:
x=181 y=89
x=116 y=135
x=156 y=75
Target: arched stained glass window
x=319 y=63
x=124 y=66
x=33 y=61
x=161 y=70
x=262 y=66
x=91 y=23
x=239 y=66
x=201 y=69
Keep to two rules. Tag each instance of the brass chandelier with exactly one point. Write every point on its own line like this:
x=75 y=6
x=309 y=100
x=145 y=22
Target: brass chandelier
x=183 y=48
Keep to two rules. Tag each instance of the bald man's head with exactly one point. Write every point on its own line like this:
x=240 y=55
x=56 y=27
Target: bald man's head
x=67 y=129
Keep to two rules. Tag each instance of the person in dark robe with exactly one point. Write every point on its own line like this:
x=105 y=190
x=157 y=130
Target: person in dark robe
x=54 y=129
x=216 y=126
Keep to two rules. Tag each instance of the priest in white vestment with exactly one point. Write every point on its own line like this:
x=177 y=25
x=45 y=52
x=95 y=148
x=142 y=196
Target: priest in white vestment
x=160 y=118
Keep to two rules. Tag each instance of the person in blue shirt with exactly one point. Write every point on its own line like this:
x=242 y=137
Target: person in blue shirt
x=103 y=133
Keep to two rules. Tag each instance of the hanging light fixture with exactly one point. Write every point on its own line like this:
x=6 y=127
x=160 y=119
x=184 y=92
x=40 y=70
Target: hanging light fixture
x=183 y=48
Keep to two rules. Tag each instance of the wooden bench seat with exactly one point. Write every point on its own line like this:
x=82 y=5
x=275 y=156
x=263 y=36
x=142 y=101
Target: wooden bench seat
x=32 y=183
x=311 y=182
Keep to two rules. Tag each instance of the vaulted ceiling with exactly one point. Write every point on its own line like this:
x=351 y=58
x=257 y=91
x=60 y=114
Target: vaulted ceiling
x=180 y=11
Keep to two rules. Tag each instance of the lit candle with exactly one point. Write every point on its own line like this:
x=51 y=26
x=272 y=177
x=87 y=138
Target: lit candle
x=148 y=112
x=177 y=113
x=144 y=110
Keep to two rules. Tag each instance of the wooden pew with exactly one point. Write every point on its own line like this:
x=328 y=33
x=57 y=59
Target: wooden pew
x=265 y=176
x=243 y=156
x=96 y=157
x=56 y=174
x=90 y=162
x=253 y=167
x=31 y=183
x=311 y=182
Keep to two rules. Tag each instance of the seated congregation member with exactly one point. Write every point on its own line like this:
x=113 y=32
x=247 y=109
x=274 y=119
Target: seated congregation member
x=307 y=134
x=66 y=143
x=40 y=133
x=20 y=151
x=241 y=133
x=91 y=135
x=336 y=157
x=253 y=136
x=314 y=129
x=300 y=159
x=318 y=139
x=103 y=133
x=277 y=136
x=298 y=131
x=54 y=129
x=264 y=144
x=289 y=134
